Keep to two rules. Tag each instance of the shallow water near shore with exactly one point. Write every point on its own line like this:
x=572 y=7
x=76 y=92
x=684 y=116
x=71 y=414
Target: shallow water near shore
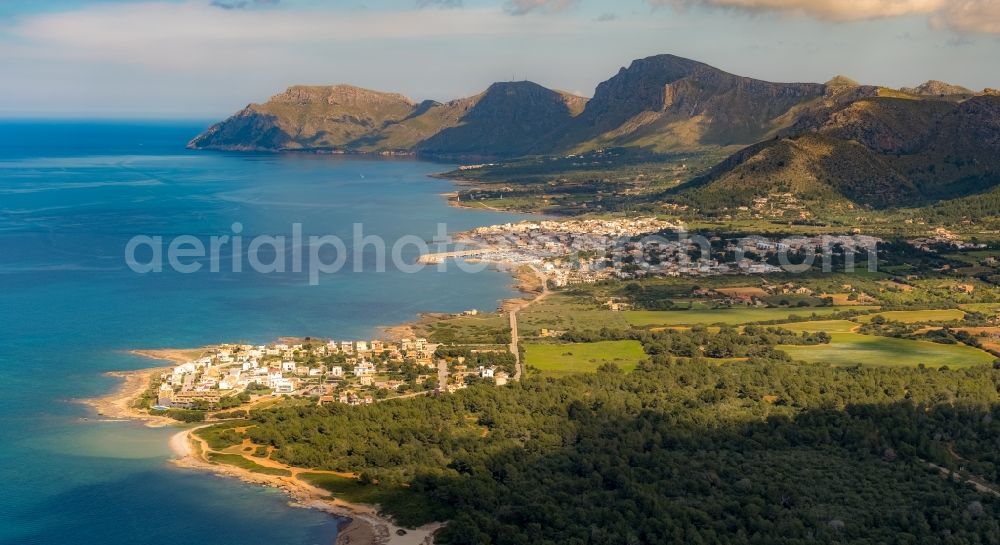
x=71 y=195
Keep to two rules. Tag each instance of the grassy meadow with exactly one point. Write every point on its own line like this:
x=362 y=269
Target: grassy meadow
x=917 y=316
x=568 y=358
x=853 y=348
x=727 y=316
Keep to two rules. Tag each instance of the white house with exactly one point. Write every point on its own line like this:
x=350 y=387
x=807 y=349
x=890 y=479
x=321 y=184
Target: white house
x=288 y=366
x=486 y=372
x=283 y=386
x=364 y=368
x=336 y=371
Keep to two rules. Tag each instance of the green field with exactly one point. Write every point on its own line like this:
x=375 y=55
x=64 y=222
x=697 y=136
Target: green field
x=917 y=316
x=485 y=328
x=853 y=348
x=982 y=307
x=568 y=313
x=344 y=488
x=972 y=257
x=407 y=506
x=728 y=316
x=830 y=326
x=564 y=359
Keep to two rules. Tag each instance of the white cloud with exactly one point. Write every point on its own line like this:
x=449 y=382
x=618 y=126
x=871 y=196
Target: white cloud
x=982 y=16
x=190 y=56
x=832 y=10
x=978 y=16
x=197 y=35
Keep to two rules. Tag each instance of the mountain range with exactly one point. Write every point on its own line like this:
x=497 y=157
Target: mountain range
x=664 y=102
x=838 y=140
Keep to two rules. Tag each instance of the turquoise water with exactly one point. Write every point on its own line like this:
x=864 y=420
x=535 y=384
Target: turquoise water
x=71 y=196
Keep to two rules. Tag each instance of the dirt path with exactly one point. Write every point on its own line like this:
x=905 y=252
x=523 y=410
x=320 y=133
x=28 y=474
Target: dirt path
x=979 y=483
x=364 y=525
x=514 y=309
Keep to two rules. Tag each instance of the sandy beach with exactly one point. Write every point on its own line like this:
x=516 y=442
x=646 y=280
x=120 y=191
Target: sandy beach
x=362 y=524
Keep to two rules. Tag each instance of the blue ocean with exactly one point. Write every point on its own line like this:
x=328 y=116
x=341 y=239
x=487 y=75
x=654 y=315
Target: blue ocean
x=72 y=194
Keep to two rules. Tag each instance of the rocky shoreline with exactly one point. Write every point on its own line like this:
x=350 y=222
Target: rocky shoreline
x=360 y=524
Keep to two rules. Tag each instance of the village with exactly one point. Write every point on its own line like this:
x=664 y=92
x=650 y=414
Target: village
x=589 y=251
x=351 y=372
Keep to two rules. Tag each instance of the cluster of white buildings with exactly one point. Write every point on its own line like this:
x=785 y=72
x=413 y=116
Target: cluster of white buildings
x=587 y=251
x=288 y=369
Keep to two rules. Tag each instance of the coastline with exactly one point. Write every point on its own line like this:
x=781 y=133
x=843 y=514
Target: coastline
x=117 y=404
x=361 y=524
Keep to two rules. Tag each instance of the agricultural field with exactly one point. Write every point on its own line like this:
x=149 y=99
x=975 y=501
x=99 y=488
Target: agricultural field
x=917 y=316
x=830 y=326
x=568 y=358
x=854 y=348
x=844 y=299
x=744 y=291
x=728 y=316
x=972 y=257
x=563 y=312
x=985 y=308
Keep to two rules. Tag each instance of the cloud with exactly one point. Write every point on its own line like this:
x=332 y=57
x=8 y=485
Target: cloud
x=974 y=16
x=605 y=17
x=967 y=16
x=441 y=4
x=522 y=7
x=196 y=37
x=241 y=4
x=830 y=10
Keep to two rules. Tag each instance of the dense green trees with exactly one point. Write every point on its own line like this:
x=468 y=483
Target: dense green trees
x=674 y=452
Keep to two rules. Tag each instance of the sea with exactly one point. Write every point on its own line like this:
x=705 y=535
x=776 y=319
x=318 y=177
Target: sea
x=73 y=194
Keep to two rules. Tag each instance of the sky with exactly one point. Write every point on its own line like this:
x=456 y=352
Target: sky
x=205 y=59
